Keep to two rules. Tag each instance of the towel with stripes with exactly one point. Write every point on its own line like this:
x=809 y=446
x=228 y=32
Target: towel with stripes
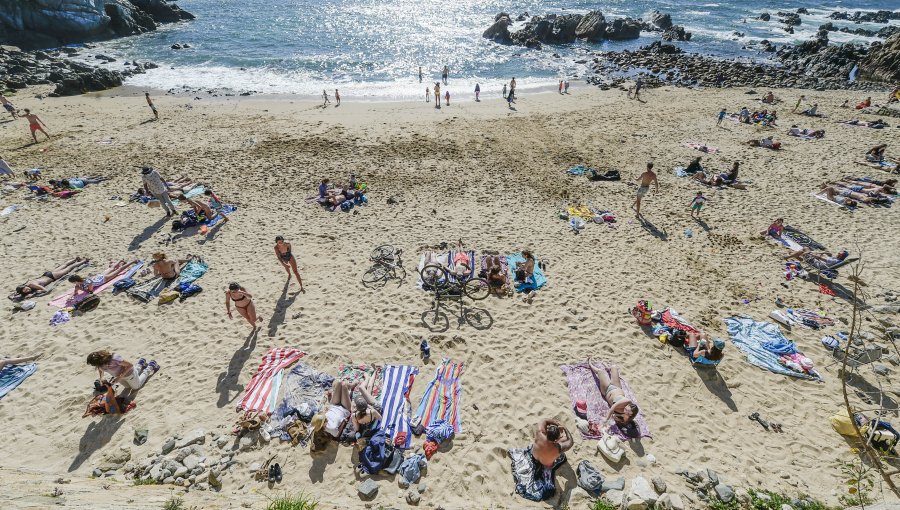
x=262 y=391
x=398 y=380
x=442 y=397
x=12 y=375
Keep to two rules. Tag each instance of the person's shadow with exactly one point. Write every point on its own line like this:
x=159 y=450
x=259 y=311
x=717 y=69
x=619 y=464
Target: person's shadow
x=98 y=434
x=702 y=224
x=566 y=482
x=228 y=380
x=281 y=307
x=320 y=460
x=147 y=233
x=662 y=235
x=716 y=385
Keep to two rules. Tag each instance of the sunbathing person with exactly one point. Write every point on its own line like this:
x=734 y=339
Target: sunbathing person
x=495 y=276
x=132 y=376
x=875 y=124
x=730 y=178
x=243 y=301
x=844 y=195
x=335 y=415
x=551 y=440
x=18 y=361
x=865 y=104
x=524 y=270
x=822 y=260
x=812 y=111
x=766 y=142
x=37 y=286
x=461 y=265
x=698 y=345
x=876 y=154
x=868 y=184
x=621 y=410
x=796 y=131
x=215 y=203
x=838 y=197
x=77 y=182
x=165 y=268
x=365 y=411
x=90 y=284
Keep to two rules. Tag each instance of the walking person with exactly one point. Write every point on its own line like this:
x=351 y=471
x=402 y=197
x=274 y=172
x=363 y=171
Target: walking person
x=504 y=91
x=325 y=96
x=566 y=86
x=447 y=97
x=132 y=376
x=8 y=106
x=697 y=204
x=156 y=186
x=477 y=92
x=337 y=97
x=446 y=74
x=721 y=117
x=560 y=86
x=35 y=123
x=637 y=88
x=512 y=86
x=243 y=301
x=799 y=101
x=437 y=95
x=151 y=105
x=645 y=179
x=427 y=94
x=287 y=259
x=420 y=74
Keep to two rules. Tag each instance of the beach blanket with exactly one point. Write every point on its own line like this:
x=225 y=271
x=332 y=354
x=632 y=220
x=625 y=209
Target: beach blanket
x=224 y=211
x=195 y=191
x=443 y=259
x=149 y=290
x=302 y=385
x=533 y=481
x=470 y=256
x=821 y=196
x=442 y=397
x=803 y=134
x=395 y=409
x=12 y=376
x=262 y=390
x=809 y=318
x=192 y=271
x=584 y=387
x=671 y=319
x=753 y=338
x=358 y=374
x=702 y=147
x=504 y=268
x=534 y=282
x=578 y=170
x=68 y=298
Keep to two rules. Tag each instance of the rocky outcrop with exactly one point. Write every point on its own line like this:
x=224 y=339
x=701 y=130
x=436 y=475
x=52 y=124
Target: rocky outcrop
x=592 y=27
x=622 y=29
x=562 y=29
x=499 y=31
x=882 y=62
x=50 y=23
x=660 y=20
x=676 y=33
x=867 y=17
x=789 y=18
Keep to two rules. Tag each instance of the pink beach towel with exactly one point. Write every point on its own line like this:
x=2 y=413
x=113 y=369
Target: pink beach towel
x=262 y=386
x=583 y=386
x=68 y=299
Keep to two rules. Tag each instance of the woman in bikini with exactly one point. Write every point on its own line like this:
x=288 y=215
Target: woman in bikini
x=286 y=258
x=243 y=301
x=495 y=276
x=622 y=410
x=40 y=283
x=699 y=345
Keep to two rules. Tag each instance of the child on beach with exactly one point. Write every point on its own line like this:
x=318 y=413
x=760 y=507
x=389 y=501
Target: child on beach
x=721 y=117
x=697 y=204
x=437 y=95
x=325 y=96
x=504 y=91
x=8 y=106
x=447 y=97
x=35 y=123
x=427 y=94
x=337 y=97
x=151 y=105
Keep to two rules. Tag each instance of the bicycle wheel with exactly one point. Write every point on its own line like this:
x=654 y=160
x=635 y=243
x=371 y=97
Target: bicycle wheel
x=434 y=276
x=375 y=274
x=436 y=321
x=383 y=252
x=477 y=289
x=399 y=274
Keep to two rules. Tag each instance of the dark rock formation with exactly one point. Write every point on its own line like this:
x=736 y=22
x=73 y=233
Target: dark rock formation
x=622 y=29
x=676 y=33
x=562 y=29
x=499 y=31
x=882 y=62
x=765 y=16
x=663 y=21
x=867 y=17
x=802 y=10
x=789 y=18
x=591 y=27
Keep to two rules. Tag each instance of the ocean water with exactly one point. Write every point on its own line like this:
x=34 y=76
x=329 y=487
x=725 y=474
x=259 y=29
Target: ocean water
x=372 y=49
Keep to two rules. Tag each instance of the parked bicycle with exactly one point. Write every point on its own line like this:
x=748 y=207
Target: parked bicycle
x=388 y=266
x=444 y=282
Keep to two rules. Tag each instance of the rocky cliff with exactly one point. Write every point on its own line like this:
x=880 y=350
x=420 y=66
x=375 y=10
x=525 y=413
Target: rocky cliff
x=883 y=61
x=50 y=23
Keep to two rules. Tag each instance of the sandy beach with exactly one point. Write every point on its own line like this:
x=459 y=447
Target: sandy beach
x=480 y=172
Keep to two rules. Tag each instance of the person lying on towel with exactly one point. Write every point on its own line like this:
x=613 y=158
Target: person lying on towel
x=766 y=143
x=621 y=409
x=551 y=440
x=822 y=260
x=867 y=184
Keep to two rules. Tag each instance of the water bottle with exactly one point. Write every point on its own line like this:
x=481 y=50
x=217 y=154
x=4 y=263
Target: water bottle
x=426 y=349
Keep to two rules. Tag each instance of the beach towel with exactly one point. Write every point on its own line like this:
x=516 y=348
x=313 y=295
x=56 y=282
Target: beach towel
x=533 y=481
x=149 y=290
x=195 y=191
x=584 y=387
x=12 y=376
x=263 y=387
x=192 y=271
x=702 y=147
x=809 y=318
x=395 y=410
x=534 y=282
x=224 y=211
x=752 y=337
x=671 y=319
x=302 y=385
x=578 y=170
x=358 y=374
x=68 y=298
x=581 y=211
x=442 y=397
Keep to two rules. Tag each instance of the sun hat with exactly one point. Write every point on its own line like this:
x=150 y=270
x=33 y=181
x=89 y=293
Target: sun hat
x=610 y=448
x=318 y=421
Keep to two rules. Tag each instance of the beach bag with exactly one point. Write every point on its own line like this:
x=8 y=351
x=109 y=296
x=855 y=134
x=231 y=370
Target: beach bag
x=376 y=455
x=87 y=304
x=843 y=424
x=677 y=338
x=123 y=284
x=167 y=296
x=642 y=313
x=589 y=478
x=187 y=290
x=346 y=205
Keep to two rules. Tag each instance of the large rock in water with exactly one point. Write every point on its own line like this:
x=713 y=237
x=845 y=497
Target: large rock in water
x=499 y=31
x=591 y=27
x=663 y=21
x=883 y=62
x=622 y=29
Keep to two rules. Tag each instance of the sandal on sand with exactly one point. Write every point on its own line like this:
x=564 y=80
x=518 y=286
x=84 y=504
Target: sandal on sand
x=755 y=417
x=776 y=427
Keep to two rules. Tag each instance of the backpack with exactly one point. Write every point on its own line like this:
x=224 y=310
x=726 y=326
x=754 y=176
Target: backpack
x=87 y=304
x=642 y=313
x=677 y=338
x=346 y=205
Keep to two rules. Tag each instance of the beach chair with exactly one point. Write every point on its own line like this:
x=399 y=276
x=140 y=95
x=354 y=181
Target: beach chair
x=858 y=357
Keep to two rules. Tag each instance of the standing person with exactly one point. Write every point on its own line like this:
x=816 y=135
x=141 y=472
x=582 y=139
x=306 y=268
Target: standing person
x=287 y=259
x=799 y=101
x=8 y=106
x=551 y=441
x=325 y=96
x=447 y=97
x=721 y=117
x=437 y=95
x=560 y=86
x=156 y=186
x=720 y=80
x=132 y=376
x=504 y=91
x=645 y=179
x=243 y=301
x=151 y=105
x=637 y=88
x=477 y=92
x=35 y=122
x=445 y=74
x=566 y=86
x=427 y=94
x=512 y=86
x=697 y=204
x=420 y=74
x=337 y=97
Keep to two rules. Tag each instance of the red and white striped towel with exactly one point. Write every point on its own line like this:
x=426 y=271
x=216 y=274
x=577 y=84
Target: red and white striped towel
x=259 y=390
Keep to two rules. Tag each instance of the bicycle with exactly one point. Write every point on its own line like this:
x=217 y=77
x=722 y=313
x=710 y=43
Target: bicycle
x=388 y=266
x=439 y=279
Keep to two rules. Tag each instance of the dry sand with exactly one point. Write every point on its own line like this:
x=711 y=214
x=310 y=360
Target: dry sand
x=476 y=171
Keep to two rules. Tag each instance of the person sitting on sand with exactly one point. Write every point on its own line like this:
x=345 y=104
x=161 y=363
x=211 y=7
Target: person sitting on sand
x=821 y=260
x=865 y=104
x=287 y=259
x=775 y=230
x=4 y=362
x=525 y=269
x=812 y=111
x=621 y=409
x=694 y=166
x=551 y=440
x=165 y=268
x=876 y=154
x=336 y=414
x=698 y=345
x=744 y=115
x=894 y=96
x=243 y=301
x=132 y=376
x=730 y=178
x=38 y=285
x=769 y=98
x=90 y=284
x=35 y=123
x=365 y=408
x=494 y=274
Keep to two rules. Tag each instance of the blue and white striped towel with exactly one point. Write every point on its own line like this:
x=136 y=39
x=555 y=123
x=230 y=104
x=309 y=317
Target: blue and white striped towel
x=394 y=408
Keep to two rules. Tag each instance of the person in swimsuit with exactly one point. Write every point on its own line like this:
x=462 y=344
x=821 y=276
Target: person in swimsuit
x=621 y=410
x=867 y=185
x=335 y=415
x=164 y=268
x=775 y=229
x=38 y=284
x=215 y=203
x=287 y=259
x=90 y=284
x=493 y=273
x=876 y=154
x=8 y=106
x=35 y=123
x=132 y=376
x=18 y=361
x=525 y=270
x=243 y=301
x=201 y=210
x=844 y=197
x=645 y=179
x=365 y=412
x=551 y=440
x=821 y=260
x=699 y=345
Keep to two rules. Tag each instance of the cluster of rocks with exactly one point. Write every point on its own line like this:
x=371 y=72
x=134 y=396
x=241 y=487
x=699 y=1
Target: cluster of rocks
x=883 y=32
x=19 y=69
x=883 y=61
x=51 y=23
x=881 y=16
x=643 y=494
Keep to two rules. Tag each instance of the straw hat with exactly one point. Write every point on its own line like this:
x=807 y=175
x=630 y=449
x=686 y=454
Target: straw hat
x=318 y=421
x=610 y=448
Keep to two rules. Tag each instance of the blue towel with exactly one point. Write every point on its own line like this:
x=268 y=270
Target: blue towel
x=196 y=191
x=394 y=408
x=578 y=170
x=13 y=375
x=224 y=211
x=534 y=282
x=192 y=271
x=750 y=336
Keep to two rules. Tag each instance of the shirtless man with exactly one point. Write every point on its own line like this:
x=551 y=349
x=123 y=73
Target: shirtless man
x=551 y=440
x=645 y=179
x=164 y=268
x=8 y=106
x=35 y=122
